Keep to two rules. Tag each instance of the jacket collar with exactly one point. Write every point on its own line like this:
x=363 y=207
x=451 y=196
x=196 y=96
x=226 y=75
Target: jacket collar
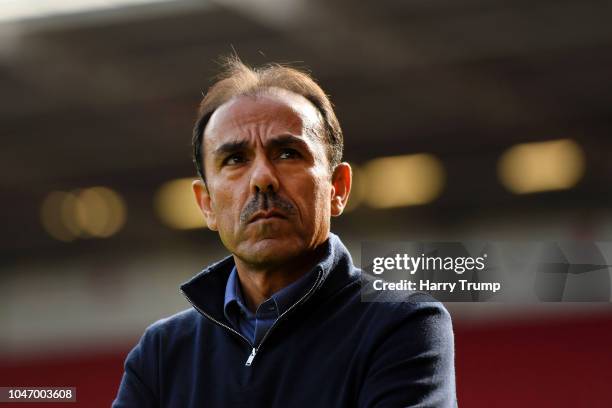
x=206 y=290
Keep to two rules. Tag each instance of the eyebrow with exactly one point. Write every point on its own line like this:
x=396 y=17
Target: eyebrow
x=280 y=141
x=230 y=147
x=287 y=140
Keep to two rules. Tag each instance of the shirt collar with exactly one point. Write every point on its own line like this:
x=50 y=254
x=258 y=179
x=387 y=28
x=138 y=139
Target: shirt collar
x=205 y=291
x=233 y=294
x=283 y=298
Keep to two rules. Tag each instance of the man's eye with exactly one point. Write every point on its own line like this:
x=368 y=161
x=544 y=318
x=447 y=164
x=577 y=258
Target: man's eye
x=233 y=159
x=289 y=154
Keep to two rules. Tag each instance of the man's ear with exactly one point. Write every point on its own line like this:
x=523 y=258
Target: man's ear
x=200 y=190
x=341 y=188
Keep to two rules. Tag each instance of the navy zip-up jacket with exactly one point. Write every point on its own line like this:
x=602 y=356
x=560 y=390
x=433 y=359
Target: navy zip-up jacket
x=329 y=349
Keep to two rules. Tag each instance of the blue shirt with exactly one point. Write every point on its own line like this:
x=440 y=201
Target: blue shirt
x=254 y=326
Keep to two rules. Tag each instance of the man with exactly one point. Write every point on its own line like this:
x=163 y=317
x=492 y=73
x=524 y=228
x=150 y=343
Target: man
x=280 y=322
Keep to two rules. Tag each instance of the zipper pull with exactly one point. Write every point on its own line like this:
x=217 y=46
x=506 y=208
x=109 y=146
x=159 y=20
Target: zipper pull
x=251 y=357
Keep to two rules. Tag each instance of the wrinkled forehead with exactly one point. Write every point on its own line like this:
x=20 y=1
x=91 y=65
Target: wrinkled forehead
x=270 y=112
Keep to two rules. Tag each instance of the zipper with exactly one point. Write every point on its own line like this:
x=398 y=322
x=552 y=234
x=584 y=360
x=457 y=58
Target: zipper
x=216 y=321
x=301 y=300
x=251 y=357
x=255 y=350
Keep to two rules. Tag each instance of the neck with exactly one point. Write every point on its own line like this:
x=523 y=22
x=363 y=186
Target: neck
x=259 y=282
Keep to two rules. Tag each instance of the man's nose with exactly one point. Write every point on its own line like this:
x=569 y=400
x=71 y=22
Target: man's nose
x=263 y=176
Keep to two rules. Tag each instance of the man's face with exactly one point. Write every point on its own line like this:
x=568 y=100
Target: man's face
x=269 y=192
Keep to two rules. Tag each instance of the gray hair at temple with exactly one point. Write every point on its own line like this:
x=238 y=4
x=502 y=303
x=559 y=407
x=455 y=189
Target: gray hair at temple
x=238 y=79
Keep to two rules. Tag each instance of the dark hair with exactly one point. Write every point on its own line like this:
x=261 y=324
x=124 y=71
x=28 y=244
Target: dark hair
x=238 y=79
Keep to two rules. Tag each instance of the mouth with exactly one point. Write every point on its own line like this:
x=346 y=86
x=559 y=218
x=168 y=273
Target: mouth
x=267 y=215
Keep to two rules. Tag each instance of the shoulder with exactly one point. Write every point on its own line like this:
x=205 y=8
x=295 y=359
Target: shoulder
x=179 y=326
x=184 y=319
x=426 y=322
x=417 y=313
x=407 y=314
x=401 y=301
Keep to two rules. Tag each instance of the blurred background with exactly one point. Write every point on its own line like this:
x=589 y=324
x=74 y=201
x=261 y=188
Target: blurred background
x=482 y=120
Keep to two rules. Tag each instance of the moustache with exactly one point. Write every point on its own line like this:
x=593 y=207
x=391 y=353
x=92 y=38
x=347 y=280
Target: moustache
x=266 y=201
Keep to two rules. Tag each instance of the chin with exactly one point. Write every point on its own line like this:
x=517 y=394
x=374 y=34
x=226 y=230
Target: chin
x=270 y=250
